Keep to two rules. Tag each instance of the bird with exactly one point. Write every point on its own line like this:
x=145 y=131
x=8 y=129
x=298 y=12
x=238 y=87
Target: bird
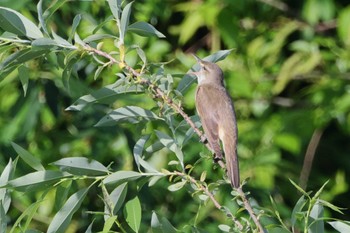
x=217 y=114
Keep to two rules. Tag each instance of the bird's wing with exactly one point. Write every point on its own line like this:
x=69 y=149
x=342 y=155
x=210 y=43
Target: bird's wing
x=208 y=114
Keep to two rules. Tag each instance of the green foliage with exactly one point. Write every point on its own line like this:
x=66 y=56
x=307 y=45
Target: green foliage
x=82 y=85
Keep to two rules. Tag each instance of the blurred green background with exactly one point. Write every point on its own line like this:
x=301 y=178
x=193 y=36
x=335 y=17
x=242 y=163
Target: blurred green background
x=289 y=77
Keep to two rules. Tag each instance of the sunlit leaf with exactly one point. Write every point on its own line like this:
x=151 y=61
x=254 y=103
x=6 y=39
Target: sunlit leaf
x=39 y=8
x=15 y=22
x=32 y=161
x=340 y=226
x=23 y=73
x=161 y=224
x=75 y=24
x=144 y=29
x=171 y=144
x=5 y=197
x=138 y=149
x=3 y=221
x=124 y=22
x=62 y=218
x=117 y=197
x=132 y=114
x=133 y=213
x=37 y=180
x=317 y=225
x=115 y=7
x=81 y=166
x=106 y=94
x=108 y=224
x=121 y=177
x=177 y=186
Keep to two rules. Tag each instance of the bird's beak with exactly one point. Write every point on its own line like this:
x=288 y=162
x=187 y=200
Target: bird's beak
x=199 y=61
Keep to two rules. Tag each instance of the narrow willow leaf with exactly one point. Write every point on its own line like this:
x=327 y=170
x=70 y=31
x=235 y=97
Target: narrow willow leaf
x=138 y=149
x=62 y=192
x=108 y=224
x=5 y=197
x=132 y=114
x=89 y=229
x=177 y=186
x=133 y=213
x=16 y=23
x=144 y=29
x=331 y=206
x=299 y=188
x=124 y=21
x=62 y=218
x=62 y=42
x=98 y=71
x=23 y=73
x=3 y=221
x=81 y=166
x=20 y=57
x=340 y=226
x=121 y=177
x=75 y=24
x=171 y=144
x=96 y=37
x=106 y=94
x=297 y=209
x=317 y=225
x=115 y=7
x=27 y=157
x=142 y=55
x=27 y=213
x=36 y=181
x=161 y=224
x=39 y=8
x=117 y=197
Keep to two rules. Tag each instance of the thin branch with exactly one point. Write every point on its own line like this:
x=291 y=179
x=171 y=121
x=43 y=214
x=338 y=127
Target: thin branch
x=206 y=190
x=249 y=208
x=309 y=158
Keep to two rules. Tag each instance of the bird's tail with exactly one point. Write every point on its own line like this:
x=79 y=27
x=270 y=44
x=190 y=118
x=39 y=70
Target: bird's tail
x=230 y=148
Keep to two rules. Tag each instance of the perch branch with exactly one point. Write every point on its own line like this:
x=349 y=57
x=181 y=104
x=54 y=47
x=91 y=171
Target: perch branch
x=158 y=92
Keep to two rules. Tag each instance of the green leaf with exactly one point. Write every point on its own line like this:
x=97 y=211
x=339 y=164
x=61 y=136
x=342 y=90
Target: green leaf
x=124 y=22
x=115 y=6
x=62 y=42
x=106 y=94
x=32 y=161
x=317 y=225
x=177 y=186
x=171 y=144
x=27 y=213
x=23 y=73
x=299 y=188
x=331 y=206
x=121 y=177
x=3 y=221
x=5 y=197
x=62 y=192
x=343 y=25
x=62 y=218
x=75 y=24
x=81 y=166
x=117 y=197
x=144 y=29
x=36 y=181
x=20 y=57
x=133 y=213
x=138 y=149
x=297 y=209
x=341 y=226
x=109 y=223
x=89 y=229
x=16 y=23
x=161 y=224
x=132 y=114
x=95 y=37
x=39 y=8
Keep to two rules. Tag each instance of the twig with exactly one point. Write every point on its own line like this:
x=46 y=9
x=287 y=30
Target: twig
x=158 y=92
x=309 y=157
x=249 y=208
x=210 y=195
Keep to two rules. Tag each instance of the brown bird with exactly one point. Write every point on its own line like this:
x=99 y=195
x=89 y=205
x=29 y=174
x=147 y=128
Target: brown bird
x=217 y=114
